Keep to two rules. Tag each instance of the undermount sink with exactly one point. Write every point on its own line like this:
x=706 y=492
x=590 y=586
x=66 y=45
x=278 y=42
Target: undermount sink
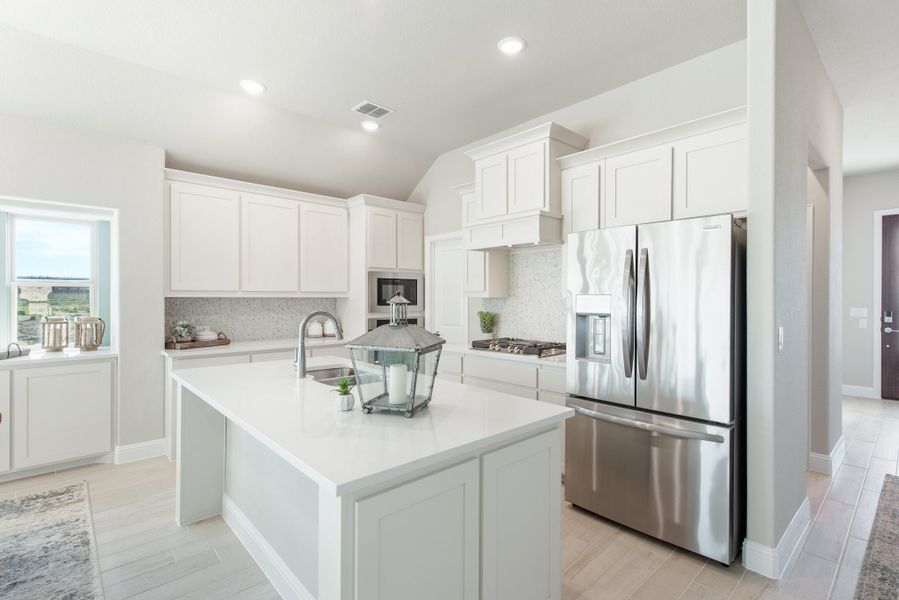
x=332 y=375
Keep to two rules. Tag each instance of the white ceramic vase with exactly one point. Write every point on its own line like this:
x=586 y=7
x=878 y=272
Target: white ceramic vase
x=345 y=401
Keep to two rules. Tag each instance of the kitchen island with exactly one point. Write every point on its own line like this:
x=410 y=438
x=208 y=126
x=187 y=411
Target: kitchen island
x=462 y=501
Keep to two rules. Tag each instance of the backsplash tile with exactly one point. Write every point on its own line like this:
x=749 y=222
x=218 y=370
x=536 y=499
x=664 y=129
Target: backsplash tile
x=244 y=319
x=535 y=308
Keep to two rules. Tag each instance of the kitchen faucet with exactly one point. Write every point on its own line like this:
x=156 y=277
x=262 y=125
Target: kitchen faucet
x=300 y=362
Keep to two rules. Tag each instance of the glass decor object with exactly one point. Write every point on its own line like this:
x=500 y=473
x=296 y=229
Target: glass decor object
x=54 y=333
x=395 y=364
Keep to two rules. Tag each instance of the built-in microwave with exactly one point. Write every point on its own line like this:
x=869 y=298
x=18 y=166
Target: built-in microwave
x=383 y=285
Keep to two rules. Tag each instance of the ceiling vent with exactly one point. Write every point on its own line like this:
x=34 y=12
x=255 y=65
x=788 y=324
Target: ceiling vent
x=372 y=110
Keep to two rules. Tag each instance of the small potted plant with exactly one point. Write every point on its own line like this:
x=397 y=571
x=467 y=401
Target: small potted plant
x=488 y=322
x=345 y=398
x=182 y=331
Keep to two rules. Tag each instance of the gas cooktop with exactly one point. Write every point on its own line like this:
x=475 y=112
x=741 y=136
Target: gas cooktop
x=519 y=346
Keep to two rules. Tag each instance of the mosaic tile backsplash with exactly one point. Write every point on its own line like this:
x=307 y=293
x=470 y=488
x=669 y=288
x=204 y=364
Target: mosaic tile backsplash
x=535 y=308
x=244 y=319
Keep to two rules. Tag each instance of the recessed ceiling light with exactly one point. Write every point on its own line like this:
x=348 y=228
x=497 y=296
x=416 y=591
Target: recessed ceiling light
x=511 y=45
x=252 y=87
x=370 y=126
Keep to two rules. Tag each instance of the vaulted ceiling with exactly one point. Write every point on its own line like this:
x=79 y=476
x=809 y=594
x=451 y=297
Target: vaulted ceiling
x=166 y=73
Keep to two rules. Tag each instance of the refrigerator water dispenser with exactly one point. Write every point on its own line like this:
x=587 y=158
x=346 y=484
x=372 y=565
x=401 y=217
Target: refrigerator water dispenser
x=593 y=327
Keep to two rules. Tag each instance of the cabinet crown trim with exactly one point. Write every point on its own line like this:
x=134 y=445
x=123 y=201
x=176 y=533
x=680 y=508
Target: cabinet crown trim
x=549 y=130
x=465 y=188
x=369 y=200
x=176 y=176
x=670 y=134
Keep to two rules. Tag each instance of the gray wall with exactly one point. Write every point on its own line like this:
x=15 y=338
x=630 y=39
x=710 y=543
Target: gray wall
x=41 y=161
x=795 y=122
x=246 y=318
x=863 y=194
x=705 y=85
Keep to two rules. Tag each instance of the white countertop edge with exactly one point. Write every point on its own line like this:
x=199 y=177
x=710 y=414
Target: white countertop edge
x=368 y=481
x=556 y=362
x=249 y=346
x=39 y=358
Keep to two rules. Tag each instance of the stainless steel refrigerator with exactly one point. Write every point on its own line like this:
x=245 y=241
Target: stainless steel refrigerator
x=656 y=370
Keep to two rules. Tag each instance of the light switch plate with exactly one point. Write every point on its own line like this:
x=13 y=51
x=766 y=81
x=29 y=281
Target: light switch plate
x=780 y=338
x=859 y=312
x=863 y=323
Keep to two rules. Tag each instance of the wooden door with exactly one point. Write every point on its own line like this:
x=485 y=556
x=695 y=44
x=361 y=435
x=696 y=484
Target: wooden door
x=324 y=249
x=205 y=238
x=381 y=238
x=580 y=197
x=269 y=244
x=446 y=303
x=491 y=186
x=638 y=187
x=527 y=178
x=409 y=241
x=889 y=318
x=420 y=540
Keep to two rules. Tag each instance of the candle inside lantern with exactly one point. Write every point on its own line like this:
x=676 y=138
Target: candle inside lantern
x=397 y=384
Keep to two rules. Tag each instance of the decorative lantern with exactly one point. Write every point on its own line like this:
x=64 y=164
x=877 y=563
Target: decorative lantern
x=396 y=363
x=89 y=332
x=54 y=333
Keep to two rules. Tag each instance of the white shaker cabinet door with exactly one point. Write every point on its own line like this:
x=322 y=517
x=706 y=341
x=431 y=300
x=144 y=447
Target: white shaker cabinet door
x=420 y=540
x=269 y=244
x=381 y=225
x=5 y=420
x=638 y=187
x=491 y=186
x=61 y=413
x=410 y=241
x=475 y=271
x=710 y=173
x=324 y=249
x=469 y=209
x=204 y=238
x=527 y=178
x=521 y=551
x=580 y=197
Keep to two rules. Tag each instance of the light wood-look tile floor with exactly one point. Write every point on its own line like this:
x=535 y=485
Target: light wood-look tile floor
x=144 y=555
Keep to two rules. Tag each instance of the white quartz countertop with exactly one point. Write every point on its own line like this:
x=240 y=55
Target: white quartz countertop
x=42 y=358
x=254 y=346
x=349 y=451
x=557 y=361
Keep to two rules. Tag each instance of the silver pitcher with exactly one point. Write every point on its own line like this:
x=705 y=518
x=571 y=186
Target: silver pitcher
x=89 y=332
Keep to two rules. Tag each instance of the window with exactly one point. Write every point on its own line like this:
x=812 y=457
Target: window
x=54 y=273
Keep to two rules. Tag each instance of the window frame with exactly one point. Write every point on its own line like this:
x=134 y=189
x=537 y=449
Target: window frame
x=13 y=283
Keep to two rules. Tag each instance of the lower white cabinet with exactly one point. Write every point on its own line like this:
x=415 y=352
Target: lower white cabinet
x=5 y=420
x=500 y=386
x=520 y=535
x=61 y=413
x=421 y=539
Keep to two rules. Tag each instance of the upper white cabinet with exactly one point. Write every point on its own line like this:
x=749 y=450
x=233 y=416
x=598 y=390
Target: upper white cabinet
x=491 y=187
x=710 y=173
x=410 y=233
x=205 y=238
x=581 y=197
x=61 y=413
x=638 y=187
x=269 y=244
x=486 y=274
x=527 y=178
x=395 y=239
x=469 y=204
x=324 y=248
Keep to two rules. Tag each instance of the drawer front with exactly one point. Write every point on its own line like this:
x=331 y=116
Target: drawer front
x=551 y=397
x=553 y=379
x=210 y=361
x=505 y=388
x=276 y=355
x=450 y=362
x=501 y=370
x=454 y=377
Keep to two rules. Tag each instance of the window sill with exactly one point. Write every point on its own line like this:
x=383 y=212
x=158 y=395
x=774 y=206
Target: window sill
x=41 y=357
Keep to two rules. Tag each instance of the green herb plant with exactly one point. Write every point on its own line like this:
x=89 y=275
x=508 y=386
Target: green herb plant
x=343 y=386
x=488 y=321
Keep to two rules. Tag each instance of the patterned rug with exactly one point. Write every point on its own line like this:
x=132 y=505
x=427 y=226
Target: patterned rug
x=47 y=547
x=879 y=577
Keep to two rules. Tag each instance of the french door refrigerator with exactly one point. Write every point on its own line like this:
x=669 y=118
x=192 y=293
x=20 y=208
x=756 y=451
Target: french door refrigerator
x=656 y=377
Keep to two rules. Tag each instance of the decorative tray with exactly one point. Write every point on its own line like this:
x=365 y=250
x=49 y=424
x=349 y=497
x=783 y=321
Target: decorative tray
x=14 y=350
x=172 y=344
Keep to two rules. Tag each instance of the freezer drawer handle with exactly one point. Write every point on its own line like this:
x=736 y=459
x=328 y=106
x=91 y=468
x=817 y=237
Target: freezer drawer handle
x=652 y=427
x=627 y=333
x=643 y=314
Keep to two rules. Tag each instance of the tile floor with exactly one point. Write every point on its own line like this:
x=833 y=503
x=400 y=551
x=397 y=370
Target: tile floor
x=144 y=555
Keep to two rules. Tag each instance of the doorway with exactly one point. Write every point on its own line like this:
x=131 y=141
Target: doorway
x=446 y=307
x=889 y=305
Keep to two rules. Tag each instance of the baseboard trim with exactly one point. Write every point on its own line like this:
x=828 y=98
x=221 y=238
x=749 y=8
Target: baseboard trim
x=282 y=578
x=142 y=450
x=774 y=562
x=860 y=391
x=828 y=463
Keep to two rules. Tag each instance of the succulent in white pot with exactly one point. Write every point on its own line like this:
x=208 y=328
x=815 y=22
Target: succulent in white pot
x=344 y=391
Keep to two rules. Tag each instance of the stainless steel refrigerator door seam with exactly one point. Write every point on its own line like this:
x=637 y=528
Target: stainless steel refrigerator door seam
x=652 y=427
x=627 y=330
x=643 y=314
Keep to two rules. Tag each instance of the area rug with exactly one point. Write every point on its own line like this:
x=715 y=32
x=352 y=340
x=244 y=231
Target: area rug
x=879 y=577
x=47 y=547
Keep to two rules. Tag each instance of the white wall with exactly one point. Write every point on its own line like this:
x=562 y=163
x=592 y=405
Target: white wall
x=862 y=195
x=795 y=122
x=50 y=163
x=705 y=85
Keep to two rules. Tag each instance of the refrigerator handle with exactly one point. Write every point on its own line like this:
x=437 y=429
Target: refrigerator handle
x=627 y=324
x=651 y=427
x=643 y=314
